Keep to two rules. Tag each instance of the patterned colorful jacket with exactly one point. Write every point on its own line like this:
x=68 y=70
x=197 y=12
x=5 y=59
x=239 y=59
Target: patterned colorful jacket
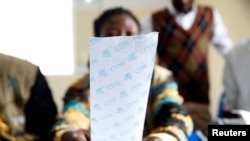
x=165 y=117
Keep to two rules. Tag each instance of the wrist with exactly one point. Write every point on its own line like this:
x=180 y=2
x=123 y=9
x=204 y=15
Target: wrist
x=163 y=136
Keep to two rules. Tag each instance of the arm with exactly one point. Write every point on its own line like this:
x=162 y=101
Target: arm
x=171 y=122
x=74 y=120
x=40 y=110
x=220 y=38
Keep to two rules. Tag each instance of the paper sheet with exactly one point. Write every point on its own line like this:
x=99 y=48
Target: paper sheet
x=244 y=114
x=120 y=75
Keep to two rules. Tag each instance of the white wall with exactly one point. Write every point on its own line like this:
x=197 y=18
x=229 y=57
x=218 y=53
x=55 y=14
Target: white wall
x=39 y=31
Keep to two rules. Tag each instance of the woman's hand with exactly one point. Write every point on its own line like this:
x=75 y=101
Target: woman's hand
x=77 y=135
x=152 y=139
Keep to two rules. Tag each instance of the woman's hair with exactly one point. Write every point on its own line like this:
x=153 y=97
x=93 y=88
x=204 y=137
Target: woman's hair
x=106 y=15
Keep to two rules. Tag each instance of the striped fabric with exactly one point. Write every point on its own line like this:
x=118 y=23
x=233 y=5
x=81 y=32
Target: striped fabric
x=165 y=104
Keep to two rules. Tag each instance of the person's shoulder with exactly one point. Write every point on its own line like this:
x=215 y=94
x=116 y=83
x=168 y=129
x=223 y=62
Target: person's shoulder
x=241 y=49
x=82 y=82
x=18 y=68
x=161 y=75
x=242 y=46
x=161 y=10
x=205 y=7
x=245 y=43
x=9 y=59
x=161 y=70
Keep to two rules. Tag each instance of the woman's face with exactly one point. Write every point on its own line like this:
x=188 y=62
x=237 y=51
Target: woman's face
x=119 y=25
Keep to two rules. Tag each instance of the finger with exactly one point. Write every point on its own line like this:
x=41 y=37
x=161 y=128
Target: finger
x=85 y=133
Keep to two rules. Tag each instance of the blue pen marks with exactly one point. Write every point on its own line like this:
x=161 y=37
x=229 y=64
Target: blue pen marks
x=128 y=76
x=146 y=48
x=99 y=91
x=94 y=41
x=109 y=101
x=141 y=68
x=93 y=61
x=94 y=120
x=138 y=37
x=117 y=66
x=132 y=57
x=92 y=79
x=103 y=73
x=106 y=53
x=123 y=94
x=121 y=45
x=132 y=103
x=97 y=107
x=136 y=86
x=106 y=117
x=113 y=85
x=129 y=118
x=119 y=110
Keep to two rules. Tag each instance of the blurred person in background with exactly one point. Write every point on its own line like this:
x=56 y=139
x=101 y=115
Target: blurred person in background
x=236 y=77
x=27 y=108
x=185 y=31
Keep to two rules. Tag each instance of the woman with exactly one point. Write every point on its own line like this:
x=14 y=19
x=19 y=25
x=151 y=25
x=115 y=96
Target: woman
x=171 y=122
